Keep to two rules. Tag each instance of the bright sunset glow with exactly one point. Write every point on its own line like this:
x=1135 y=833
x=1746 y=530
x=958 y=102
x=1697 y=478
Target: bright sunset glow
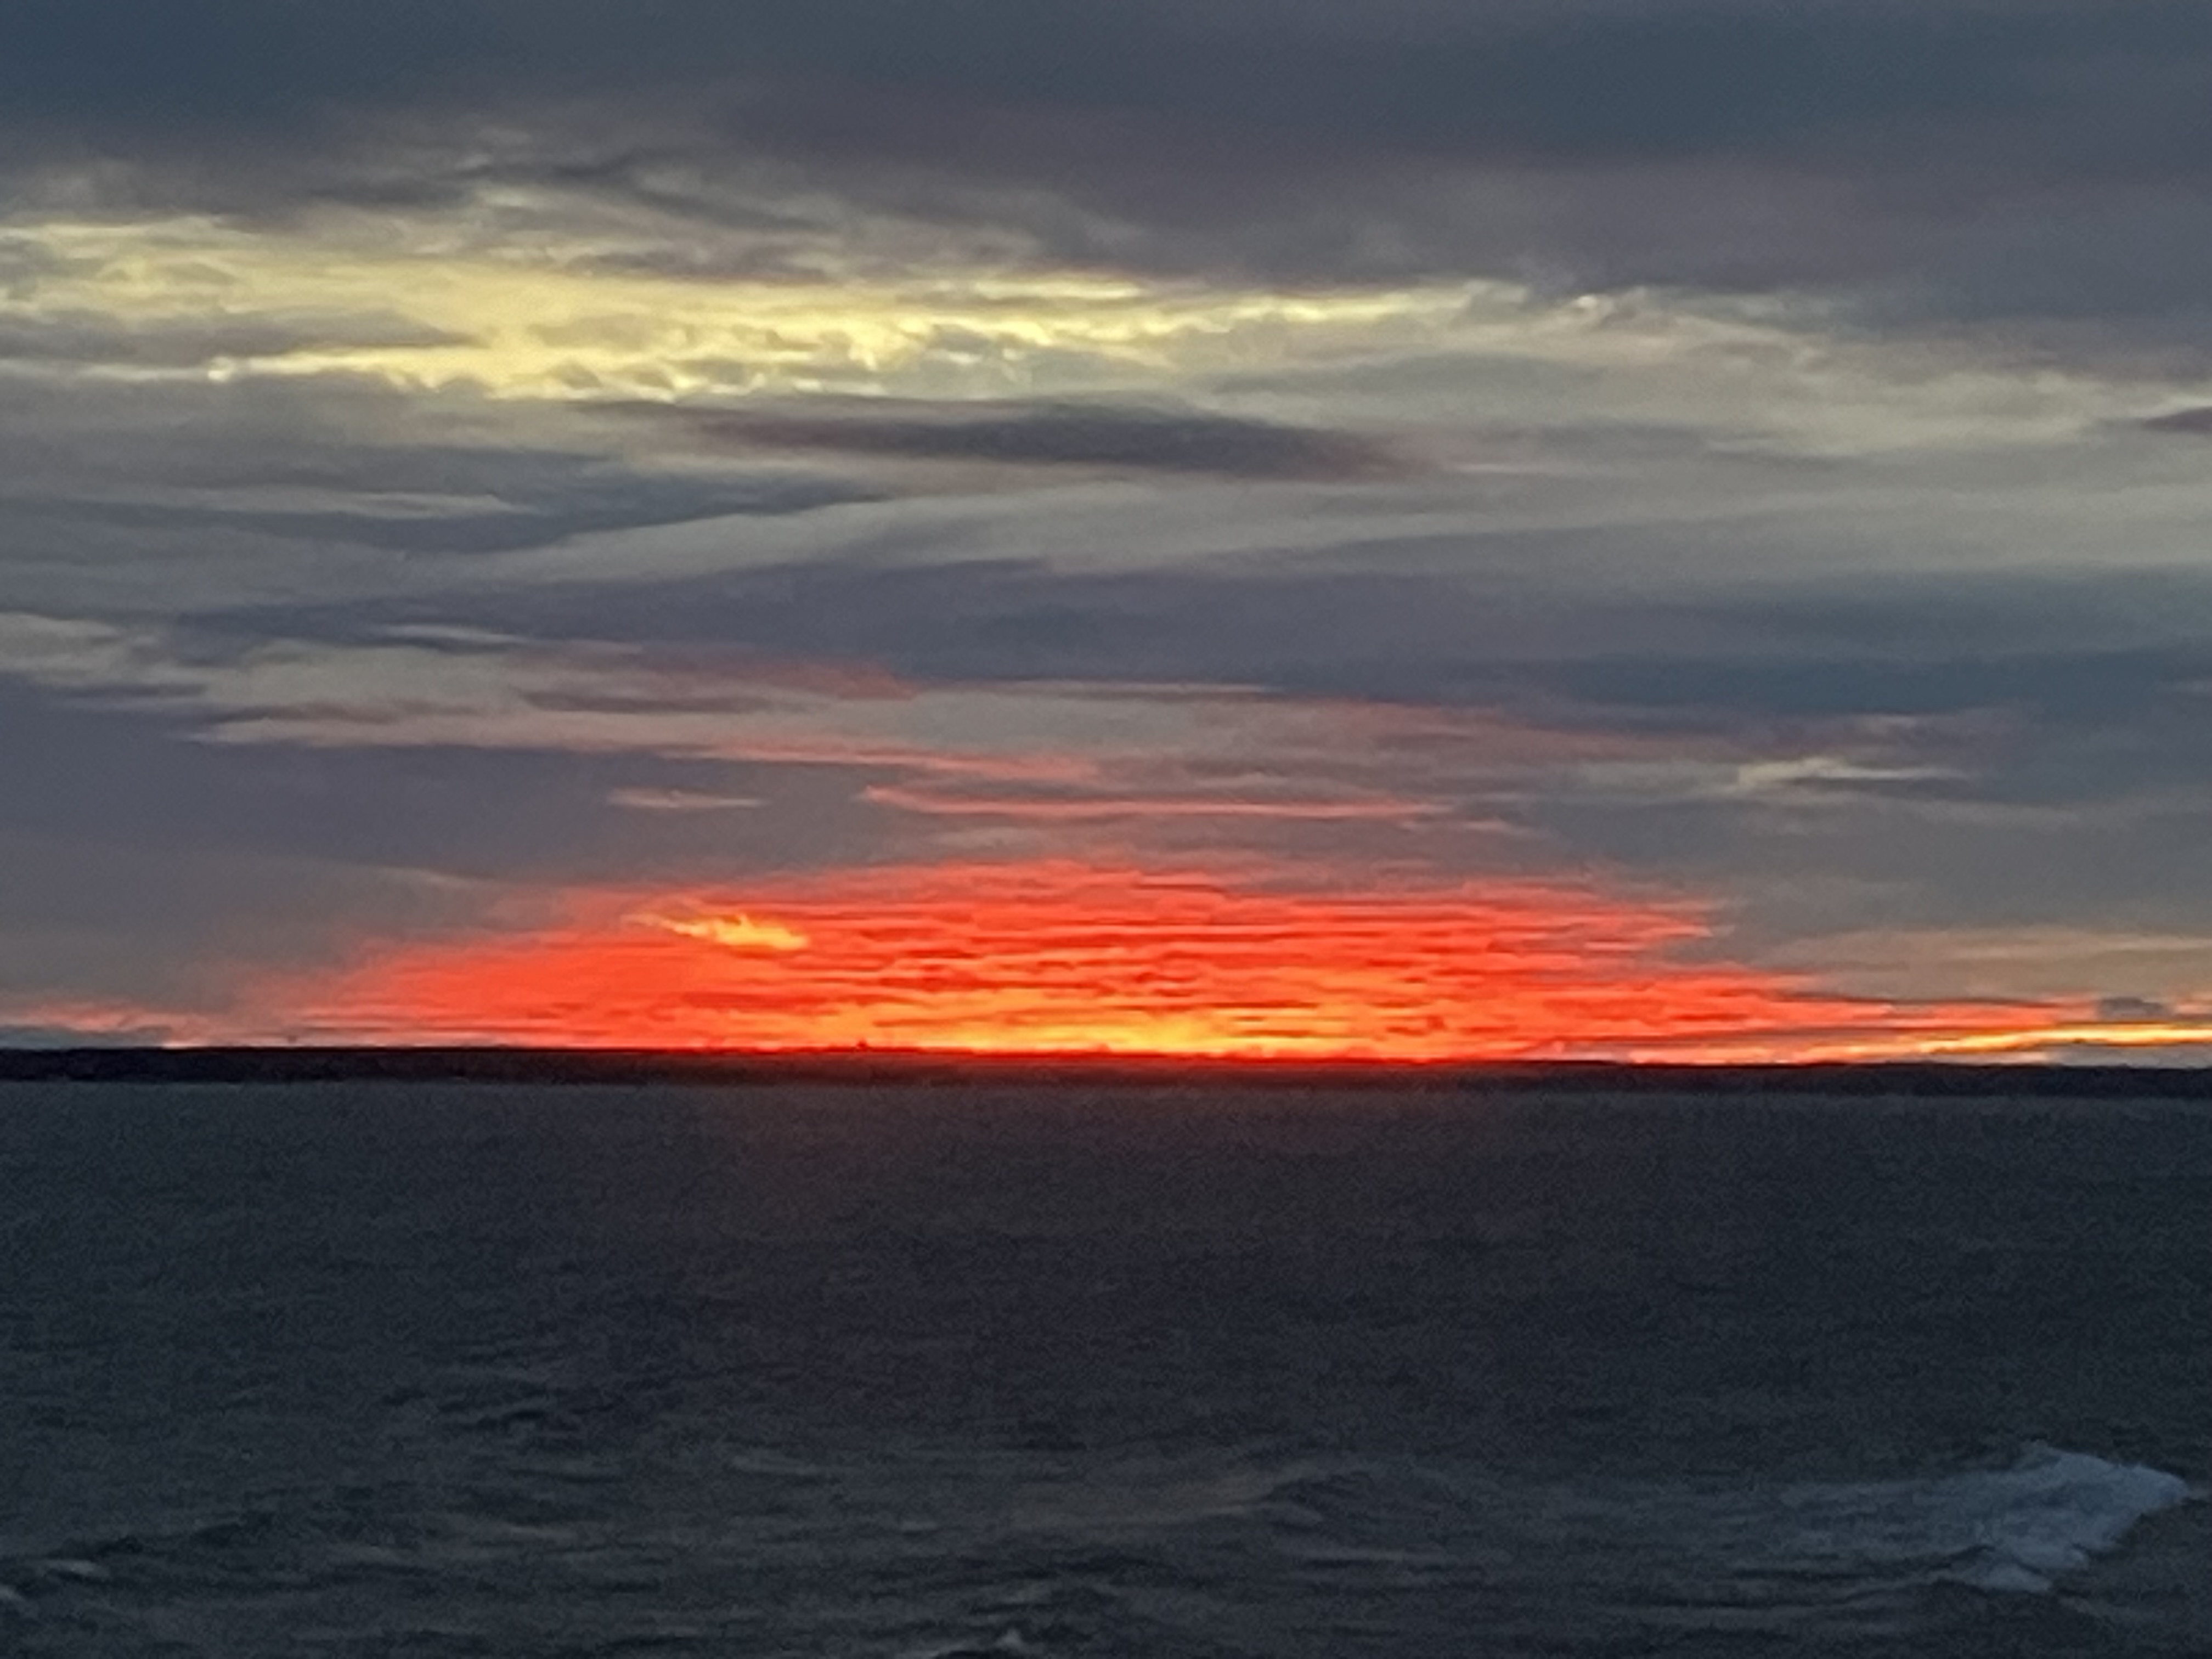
x=1056 y=958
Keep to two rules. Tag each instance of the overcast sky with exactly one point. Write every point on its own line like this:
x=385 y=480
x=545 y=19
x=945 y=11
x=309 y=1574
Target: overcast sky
x=1416 y=526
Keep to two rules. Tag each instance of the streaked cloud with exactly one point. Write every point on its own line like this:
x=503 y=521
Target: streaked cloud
x=1074 y=808
x=553 y=321
x=679 y=801
x=1101 y=436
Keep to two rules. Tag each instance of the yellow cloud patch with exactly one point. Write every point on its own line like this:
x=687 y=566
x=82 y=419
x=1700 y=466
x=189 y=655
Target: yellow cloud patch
x=737 y=932
x=536 y=318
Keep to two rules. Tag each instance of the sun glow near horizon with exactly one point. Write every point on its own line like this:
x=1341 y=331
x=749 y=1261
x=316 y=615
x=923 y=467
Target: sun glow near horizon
x=1051 y=957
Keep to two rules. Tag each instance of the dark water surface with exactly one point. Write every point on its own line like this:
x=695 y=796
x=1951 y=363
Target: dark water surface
x=385 y=1370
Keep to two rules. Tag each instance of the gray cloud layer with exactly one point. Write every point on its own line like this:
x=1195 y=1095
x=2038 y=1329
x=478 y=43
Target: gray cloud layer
x=1487 y=79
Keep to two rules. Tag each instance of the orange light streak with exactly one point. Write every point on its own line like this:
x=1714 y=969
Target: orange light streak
x=2119 y=1037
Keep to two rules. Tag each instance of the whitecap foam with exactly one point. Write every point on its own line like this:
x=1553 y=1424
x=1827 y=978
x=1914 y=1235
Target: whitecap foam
x=1692 y=1551
x=2051 y=1513
x=2012 y=1530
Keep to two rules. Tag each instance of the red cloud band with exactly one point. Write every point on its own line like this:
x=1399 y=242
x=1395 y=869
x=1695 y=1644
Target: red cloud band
x=1054 y=957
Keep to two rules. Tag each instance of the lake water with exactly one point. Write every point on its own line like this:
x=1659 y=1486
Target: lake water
x=431 y=1371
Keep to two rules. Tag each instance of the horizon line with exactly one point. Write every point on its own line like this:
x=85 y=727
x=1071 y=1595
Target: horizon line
x=529 y=1063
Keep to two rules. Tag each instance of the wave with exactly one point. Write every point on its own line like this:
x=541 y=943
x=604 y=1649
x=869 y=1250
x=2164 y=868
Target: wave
x=2014 y=1530
x=951 y=1552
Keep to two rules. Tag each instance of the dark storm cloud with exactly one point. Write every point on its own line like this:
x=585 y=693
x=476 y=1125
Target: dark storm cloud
x=1085 y=436
x=1476 y=79
x=1952 y=158
x=139 y=66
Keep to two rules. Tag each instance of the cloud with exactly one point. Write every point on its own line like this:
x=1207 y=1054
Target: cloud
x=1047 y=956
x=2127 y=975
x=1954 y=160
x=2056 y=766
x=2184 y=1048
x=103 y=916
x=1670 y=624
x=1728 y=443
x=2195 y=420
x=91 y=337
x=916 y=766
x=92 y=1026
x=1480 y=77
x=531 y=515
x=1100 y=436
x=738 y=931
x=579 y=324
x=2134 y=1010
x=137 y=497
x=637 y=799
x=1067 y=808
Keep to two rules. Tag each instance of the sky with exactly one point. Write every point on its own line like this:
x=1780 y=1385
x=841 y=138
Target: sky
x=1423 y=529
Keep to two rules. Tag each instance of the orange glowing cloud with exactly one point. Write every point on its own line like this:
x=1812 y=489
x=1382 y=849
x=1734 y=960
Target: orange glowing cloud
x=1056 y=957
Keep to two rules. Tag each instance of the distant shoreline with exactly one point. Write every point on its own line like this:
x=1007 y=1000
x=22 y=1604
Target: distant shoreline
x=890 y=1067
